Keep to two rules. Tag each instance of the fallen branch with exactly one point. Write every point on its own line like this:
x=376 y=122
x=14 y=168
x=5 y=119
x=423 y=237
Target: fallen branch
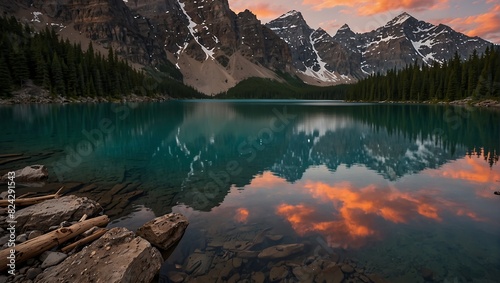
x=84 y=217
x=30 y=201
x=38 y=245
x=96 y=235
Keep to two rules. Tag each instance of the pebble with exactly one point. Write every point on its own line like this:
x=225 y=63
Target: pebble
x=346 y=268
x=32 y=273
x=64 y=224
x=21 y=238
x=34 y=234
x=4 y=240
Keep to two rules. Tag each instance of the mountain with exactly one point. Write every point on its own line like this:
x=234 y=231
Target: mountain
x=314 y=53
x=208 y=46
x=402 y=41
x=213 y=47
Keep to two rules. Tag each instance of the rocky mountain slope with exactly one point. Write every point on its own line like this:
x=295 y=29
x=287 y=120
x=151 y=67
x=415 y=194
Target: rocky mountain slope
x=215 y=48
x=403 y=40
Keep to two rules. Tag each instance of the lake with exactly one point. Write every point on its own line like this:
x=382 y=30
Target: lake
x=402 y=191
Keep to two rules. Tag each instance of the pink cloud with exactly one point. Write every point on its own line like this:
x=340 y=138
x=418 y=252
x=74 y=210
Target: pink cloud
x=486 y=25
x=370 y=7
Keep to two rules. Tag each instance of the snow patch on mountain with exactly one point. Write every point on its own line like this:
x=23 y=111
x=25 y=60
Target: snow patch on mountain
x=323 y=73
x=192 y=29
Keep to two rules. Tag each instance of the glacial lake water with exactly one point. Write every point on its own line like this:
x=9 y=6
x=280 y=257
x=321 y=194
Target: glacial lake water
x=403 y=191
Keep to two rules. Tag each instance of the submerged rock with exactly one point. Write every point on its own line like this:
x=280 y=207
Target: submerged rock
x=33 y=173
x=164 y=231
x=281 y=251
x=52 y=212
x=118 y=256
x=278 y=273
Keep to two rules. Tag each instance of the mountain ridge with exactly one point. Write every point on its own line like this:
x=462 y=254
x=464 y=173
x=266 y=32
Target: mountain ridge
x=215 y=48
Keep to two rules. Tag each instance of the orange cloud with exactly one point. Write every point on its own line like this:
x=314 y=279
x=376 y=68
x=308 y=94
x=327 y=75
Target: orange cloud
x=241 y=215
x=472 y=169
x=358 y=212
x=486 y=25
x=368 y=7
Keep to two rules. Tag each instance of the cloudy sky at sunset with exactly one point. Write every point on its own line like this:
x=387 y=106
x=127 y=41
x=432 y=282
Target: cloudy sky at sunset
x=472 y=17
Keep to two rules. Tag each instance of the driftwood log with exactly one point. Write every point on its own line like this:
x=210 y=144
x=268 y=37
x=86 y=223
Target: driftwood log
x=96 y=235
x=38 y=245
x=30 y=201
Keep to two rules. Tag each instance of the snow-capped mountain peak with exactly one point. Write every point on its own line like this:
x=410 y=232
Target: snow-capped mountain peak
x=403 y=17
x=292 y=13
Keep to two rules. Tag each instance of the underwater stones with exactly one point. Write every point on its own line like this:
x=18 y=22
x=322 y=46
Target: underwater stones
x=278 y=273
x=274 y=238
x=346 y=268
x=331 y=274
x=164 y=231
x=281 y=251
x=198 y=264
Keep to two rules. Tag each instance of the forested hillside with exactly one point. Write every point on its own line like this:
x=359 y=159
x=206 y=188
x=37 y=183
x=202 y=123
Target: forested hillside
x=65 y=69
x=477 y=77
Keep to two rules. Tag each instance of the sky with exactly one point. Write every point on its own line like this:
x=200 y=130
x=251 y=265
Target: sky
x=472 y=17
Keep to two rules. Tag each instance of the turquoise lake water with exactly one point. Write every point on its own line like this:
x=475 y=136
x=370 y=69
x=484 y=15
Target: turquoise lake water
x=395 y=188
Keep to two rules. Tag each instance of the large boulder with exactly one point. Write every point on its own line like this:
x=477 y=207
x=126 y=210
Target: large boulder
x=164 y=231
x=119 y=256
x=33 y=173
x=52 y=212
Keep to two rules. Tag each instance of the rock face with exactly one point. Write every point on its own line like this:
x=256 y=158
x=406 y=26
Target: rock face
x=33 y=173
x=403 y=40
x=118 y=256
x=314 y=53
x=108 y=23
x=164 y=231
x=49 y=213
x=281 y=251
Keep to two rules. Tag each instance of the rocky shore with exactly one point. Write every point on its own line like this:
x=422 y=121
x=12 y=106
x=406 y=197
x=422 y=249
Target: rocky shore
x=36 y=95
x=115 y=255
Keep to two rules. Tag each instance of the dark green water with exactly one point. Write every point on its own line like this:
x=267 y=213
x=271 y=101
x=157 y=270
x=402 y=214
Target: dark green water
x=397 y=188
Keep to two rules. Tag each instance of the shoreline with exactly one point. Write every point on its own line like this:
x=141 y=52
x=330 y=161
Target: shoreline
x=36 y=95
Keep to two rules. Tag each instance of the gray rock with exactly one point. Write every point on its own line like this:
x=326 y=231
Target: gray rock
x=164 y=231
x=64 y=224
x=32 y=273
x=53 y=258
x=281 y=251
x=34 y=234
x=118 y=256
x=52 y=212
x=3 y=278
x=21 y=238
x=4 y=239
x=3 y=194
x=33 y=173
